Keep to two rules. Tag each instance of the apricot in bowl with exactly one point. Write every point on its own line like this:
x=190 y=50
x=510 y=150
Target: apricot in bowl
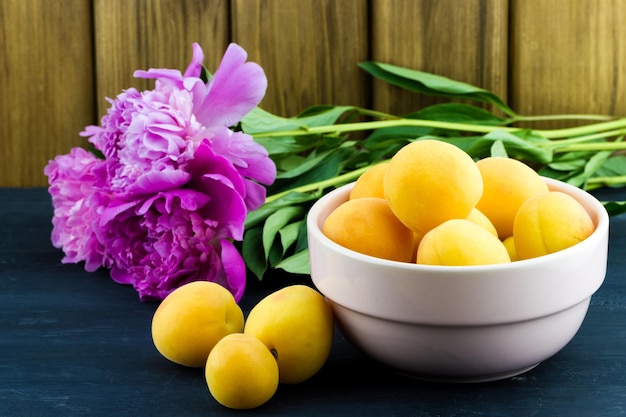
x=459 y=323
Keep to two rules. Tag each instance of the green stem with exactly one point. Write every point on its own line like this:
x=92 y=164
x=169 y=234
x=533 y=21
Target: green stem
x=554 y=117
x=617 y=180
x=377 y=114
x=592 y=147
x=587 y=138
x=379 y=124
x=576 y=135
x=320 y=185
x=594 y=128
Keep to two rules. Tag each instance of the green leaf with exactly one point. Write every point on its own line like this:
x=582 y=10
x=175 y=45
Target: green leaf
x=252 y=251
x=391 y=136
x=275 y=254
x=431 y=84
x=328 y=169
x=331 y=156
x=205 y=74
x=565 y=165
x=304 y=165
x=465 y=143
x=571 y=165
x=260 y=121
x=259 y=215
x=288 y=144
x=590 y=167
x=322 y=115
x=289 y=234
x=615 y=207
x=297 y=263
x=302 y=243
x=615 y=166
x=498 y=149
x=458 y=113
x=522 y=144
x=277 y=221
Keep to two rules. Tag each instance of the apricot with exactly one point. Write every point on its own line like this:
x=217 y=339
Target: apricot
x=368 y=226
x=370 y=183
x=548 y=223
x=241 y=372
x=507 y=183
x=296 y=324
x=460 y=242
x=509 y=244
x=477 y=216
x=430 y=181
x=192 y=319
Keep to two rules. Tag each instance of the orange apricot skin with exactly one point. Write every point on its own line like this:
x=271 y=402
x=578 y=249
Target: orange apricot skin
x=507 y=184
x=368 y=226
x=460 y=242
x=549 y=223
x=430 y=181
x=370 y=183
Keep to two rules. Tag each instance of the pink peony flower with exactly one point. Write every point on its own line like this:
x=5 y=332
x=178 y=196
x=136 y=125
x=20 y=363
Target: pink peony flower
x=176 y=184
x=77 y=207
x=169 y=240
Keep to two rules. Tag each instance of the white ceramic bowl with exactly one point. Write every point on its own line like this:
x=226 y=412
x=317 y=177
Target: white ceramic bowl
x=461 y=324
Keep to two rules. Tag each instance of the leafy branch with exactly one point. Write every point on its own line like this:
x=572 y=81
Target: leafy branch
x=328 y=146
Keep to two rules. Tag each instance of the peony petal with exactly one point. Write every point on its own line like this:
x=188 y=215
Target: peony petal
x=207 y=161
x=188 y=200
x=121 y=276
x=234 y=268
x=255 y=195
x=236 y=88
x=169 y=74
x=249 y=157
x=156 y=181
x=114 y=208
x=228 y=208
x=195 y=66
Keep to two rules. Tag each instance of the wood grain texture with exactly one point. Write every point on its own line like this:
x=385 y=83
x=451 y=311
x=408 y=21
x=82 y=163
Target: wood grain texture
x=309 y=50
x=46 y=84
x=60 y=59
x=143 y=34
x=464 y=40
x=568 y=56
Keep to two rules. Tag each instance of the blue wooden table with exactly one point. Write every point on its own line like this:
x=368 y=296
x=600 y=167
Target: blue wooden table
x=74 y=343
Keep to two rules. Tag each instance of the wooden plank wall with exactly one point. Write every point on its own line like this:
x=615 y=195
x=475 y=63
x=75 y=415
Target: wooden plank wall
x=60 y=59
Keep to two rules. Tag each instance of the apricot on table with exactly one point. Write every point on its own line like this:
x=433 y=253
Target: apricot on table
x=507 y=183
x=368 y=226
x=296 y=324
x=460 y=242
x=241 y=372
x=548 y=223
x=430 y=181
x=192 y=319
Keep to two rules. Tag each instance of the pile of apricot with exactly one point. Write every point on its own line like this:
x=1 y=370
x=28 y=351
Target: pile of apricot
x=431 y=203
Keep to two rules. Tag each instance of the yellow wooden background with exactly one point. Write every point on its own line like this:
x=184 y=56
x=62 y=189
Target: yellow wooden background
x=60 y=59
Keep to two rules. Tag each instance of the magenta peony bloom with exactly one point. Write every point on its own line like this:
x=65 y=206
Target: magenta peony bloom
x=77 y=207
x=236 y=87
x=176 y=184
x=169 y=240
x=149 y=138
